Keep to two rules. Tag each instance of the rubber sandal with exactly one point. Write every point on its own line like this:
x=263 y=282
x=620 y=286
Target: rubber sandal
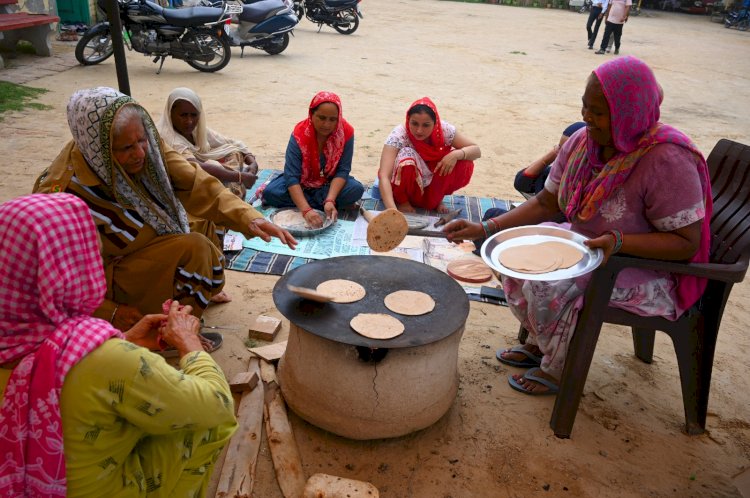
x=531 y=359
x=529 y=375
x=215 y=338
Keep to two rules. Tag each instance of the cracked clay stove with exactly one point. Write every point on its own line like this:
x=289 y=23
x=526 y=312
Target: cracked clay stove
x=364 y=388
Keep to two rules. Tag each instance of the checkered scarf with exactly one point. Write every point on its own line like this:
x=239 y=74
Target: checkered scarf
x=51 y=280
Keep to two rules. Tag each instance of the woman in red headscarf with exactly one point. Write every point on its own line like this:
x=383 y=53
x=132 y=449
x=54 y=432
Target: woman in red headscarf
x=317 y=164
x=424 y=160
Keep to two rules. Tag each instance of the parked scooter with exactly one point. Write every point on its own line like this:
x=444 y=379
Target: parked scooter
x=341 y=15
x=195 y=35
x=263 y=24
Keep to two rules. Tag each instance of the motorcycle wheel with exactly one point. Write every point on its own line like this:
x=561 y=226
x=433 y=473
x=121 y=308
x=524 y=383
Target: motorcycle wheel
x=742 y=25
x=94 y=48
x=350 y=27
x=210 y=41
x=277 y=45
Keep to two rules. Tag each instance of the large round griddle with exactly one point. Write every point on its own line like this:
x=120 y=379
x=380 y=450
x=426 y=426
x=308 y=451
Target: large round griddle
x=379 y=275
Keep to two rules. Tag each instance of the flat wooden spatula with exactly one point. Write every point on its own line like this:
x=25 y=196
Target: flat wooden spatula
x=386 y=230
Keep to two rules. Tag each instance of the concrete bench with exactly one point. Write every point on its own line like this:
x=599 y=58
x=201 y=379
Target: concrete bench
x=32 y=27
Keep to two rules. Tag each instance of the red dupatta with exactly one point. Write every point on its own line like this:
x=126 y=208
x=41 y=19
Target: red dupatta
x=306 y=137
x=434 y=148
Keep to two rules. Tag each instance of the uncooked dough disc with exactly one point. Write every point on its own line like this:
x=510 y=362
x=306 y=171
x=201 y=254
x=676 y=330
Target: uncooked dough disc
x=343 y=291
x=377 y=325
x=407 y=302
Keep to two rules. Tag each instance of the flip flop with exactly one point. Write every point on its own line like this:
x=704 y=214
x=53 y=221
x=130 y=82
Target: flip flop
x=529 y=375
x=530 y=361
x=215 y=338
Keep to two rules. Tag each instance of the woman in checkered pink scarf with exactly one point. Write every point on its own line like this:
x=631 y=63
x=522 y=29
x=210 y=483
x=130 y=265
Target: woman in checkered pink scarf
x=51 y=280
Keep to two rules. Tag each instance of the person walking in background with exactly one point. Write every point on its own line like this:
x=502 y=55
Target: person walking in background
x=616 y=16
x=595 y=16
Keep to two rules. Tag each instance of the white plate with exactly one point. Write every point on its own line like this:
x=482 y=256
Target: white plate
x=301 y=229
x=527 y=235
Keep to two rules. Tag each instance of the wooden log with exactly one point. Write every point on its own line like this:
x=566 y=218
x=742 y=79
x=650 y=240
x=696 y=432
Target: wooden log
x=272 y=352
x=238 y=471
x=328 y=486
x=244 y=381
x=284 y=452
x=264 y=328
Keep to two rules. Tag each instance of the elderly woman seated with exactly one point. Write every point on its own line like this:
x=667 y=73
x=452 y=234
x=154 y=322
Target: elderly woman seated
x=86 y=411
x=183 y=127
x=140 y=191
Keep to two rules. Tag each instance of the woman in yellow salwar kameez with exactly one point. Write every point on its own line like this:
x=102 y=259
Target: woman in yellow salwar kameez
x=140 y=192
x=85 y=411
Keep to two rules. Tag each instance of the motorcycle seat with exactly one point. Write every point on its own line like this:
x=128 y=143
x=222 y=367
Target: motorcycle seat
x=192 y=16
x=341 y=3
x=260 y=11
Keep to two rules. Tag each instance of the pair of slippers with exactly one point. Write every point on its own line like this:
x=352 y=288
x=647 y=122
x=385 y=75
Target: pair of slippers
x=532 y=362
x=214 y=338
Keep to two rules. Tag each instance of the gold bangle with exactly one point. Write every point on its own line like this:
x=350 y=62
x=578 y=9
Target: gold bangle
x=114 y=312
x=464 y=151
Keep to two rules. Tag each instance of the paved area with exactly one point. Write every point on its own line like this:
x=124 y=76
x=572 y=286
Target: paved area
x=26 y=67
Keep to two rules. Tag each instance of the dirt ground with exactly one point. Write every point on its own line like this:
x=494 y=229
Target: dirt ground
x=512 y=79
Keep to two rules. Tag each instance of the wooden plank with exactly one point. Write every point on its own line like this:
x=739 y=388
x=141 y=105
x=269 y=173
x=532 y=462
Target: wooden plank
x=20 y=20
x=238 y=472
x=284 y=452
x=264 y=328
x=328 y=486
x=243 y=381
x=271 y=352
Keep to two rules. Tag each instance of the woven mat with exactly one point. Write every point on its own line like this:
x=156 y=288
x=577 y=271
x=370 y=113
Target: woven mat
x=253 y=261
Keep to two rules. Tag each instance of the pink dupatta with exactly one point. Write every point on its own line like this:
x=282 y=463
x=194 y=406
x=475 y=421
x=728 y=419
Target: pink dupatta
x=634 y=97
x=51 y=280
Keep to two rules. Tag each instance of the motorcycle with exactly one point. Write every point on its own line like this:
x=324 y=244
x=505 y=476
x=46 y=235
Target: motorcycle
x=586 y=7
x=195 y=35
x=263 y=24
x=341 y=15
x=739 y=19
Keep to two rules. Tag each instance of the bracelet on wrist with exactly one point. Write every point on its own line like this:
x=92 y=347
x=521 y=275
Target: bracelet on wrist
x=618 y=240
x=114 y=312
x=329 y=200
x=486 y=228
x=305 y=211
x=464 y=151
x=492 y=224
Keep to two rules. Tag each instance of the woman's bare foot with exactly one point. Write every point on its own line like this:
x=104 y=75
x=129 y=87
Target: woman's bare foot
x=442 y=208
x=533 y=387
x=220 y=298
x=516 y=356
x=406 y=208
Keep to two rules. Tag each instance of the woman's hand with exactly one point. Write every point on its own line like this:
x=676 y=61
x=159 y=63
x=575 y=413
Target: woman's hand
x=330 y=210
x=261 y=227
x=125 y=317
x=248 y=179
x=605 y=242
x=313 y=218
x=448 y=162
x=145 y=333
x=459 y=230
x=181 y=329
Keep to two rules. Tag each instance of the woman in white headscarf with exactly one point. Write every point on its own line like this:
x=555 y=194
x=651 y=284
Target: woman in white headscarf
x=183 y=127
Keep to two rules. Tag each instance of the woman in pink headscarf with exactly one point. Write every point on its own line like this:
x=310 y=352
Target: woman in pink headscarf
x=424 y=160
x=318 y=164
x=632 y=185
x=85 y=410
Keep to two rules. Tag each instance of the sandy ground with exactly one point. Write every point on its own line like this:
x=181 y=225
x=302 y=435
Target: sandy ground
x=511 y=78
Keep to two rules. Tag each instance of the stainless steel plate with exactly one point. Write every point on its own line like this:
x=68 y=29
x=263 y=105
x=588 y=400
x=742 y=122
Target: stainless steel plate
x=300 y=229
x=416 y=221
x=527 y=235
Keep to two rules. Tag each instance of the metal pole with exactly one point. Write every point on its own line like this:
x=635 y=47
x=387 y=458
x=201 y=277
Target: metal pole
x=115 y=30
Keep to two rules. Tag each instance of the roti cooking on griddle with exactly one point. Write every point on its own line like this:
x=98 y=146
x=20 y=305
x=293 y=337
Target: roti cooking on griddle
x=342 y=291
x=407 y=302
x=377 y=325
